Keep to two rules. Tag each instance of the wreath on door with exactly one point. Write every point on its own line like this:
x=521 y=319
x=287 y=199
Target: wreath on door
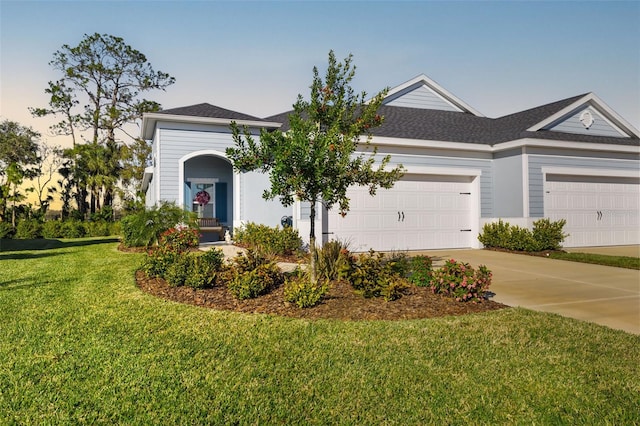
x=202 y=198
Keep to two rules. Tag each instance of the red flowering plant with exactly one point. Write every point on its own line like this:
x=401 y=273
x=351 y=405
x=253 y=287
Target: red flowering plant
x=180 y=238
x=460 y=281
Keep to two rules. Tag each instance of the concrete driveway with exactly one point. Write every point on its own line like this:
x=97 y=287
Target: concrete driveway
x=600 y=294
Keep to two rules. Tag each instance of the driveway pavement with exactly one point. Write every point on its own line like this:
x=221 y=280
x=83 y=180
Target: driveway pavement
x=601 y=294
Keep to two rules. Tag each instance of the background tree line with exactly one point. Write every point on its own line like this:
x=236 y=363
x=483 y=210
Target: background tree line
x=99 y=93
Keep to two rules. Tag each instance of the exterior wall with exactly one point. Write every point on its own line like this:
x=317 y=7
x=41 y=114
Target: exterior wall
x=600 y=126
x=508 y=185
x=173 y=142
x=539 y=158
x=254 y=208
x=420 y=96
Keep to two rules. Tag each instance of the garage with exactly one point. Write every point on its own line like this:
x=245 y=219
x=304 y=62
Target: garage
x=599 y=210
x=420 y=212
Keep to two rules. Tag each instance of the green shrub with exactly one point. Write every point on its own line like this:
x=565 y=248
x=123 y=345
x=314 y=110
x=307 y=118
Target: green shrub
x=275 y=241
x=371 y=275
x=28 y=229
x=158 y=260
x=99 y=228
x=251 y=259
x=546 y=235
x=6 y=230
x=143 y=229
x=299 y=289
x=256 y=282
x=549 y=235
x=52 y=229
x=421 y=271
x=192 y=269
x=495 y=234
x=461 y=282
x=73 y=229
x=330 y=259
x=177 y=271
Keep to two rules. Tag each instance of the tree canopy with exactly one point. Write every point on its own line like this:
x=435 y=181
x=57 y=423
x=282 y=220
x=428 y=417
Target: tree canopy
x=99 y=92
x=326 y=147
x=18 y=161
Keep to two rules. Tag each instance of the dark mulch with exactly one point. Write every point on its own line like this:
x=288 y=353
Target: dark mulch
x=340 y=303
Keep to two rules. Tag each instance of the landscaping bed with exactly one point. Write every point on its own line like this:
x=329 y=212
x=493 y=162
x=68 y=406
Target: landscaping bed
x=340 y=303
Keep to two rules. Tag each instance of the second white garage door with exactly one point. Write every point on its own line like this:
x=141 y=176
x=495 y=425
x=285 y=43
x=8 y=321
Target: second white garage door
x=599 y=211
x=420 y=212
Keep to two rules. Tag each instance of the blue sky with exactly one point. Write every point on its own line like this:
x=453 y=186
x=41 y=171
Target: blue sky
x=255 y=57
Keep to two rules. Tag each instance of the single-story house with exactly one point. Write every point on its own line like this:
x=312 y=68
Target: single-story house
x=574 y=159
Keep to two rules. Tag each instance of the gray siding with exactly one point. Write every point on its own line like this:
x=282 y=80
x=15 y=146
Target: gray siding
x=420 y=96
x=254 y=208
x=484 y=165
x=175 y=144
x=507 y=189
x=600 y=127
x=536 y=184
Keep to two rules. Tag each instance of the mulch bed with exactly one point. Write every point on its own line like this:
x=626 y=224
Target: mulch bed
x=340 y=303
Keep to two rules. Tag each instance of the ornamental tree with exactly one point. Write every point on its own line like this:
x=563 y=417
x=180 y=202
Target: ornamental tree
x=325 y=149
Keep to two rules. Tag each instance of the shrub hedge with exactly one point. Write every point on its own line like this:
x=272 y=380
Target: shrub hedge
x=546 y=235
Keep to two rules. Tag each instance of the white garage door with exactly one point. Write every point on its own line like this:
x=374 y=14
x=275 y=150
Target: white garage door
x=599 y=211
x=419 y=212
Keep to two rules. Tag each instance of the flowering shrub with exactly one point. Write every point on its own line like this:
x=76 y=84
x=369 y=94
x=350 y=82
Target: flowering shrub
x=180 y=238
x=172 y=245
x=460 y=281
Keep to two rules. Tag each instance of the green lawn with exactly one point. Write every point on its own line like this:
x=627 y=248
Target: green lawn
x=599 y=259
x=81 y=344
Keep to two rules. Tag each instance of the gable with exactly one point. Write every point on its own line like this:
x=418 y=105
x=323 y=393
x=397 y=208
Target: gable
x=587 y=121
x=421 y=96
x=423 y=93
x=587 y=115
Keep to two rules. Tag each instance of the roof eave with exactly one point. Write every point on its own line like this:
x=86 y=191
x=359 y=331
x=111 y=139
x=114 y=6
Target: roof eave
x=149 y=122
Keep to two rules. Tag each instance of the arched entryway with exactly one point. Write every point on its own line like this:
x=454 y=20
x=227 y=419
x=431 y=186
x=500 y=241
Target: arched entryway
x=210 y=175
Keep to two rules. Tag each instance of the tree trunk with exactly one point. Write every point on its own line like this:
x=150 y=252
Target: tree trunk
x=312 y=243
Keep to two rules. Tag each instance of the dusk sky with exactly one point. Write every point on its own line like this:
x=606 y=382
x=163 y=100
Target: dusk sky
x=255 y=57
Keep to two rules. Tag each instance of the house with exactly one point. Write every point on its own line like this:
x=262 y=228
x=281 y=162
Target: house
x=574 y=159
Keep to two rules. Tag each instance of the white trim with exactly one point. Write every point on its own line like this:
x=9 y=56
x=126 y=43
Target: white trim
x=590 y=99
x=438 y=90
x=442 y=171
x=237 y=190
x=150 y=120
x=422 y=143
x=203 y=180
x=583 y=171
x=525 y=183
x=563 y=144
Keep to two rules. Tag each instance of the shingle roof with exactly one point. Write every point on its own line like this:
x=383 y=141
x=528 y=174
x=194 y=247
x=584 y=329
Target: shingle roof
x=451 y=126
x=208 y=110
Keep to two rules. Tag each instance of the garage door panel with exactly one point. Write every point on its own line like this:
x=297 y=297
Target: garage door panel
x=432 y=212
x=598 y=210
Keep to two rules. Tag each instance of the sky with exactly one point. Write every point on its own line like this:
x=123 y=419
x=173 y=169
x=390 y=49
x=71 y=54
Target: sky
x=256 y=57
